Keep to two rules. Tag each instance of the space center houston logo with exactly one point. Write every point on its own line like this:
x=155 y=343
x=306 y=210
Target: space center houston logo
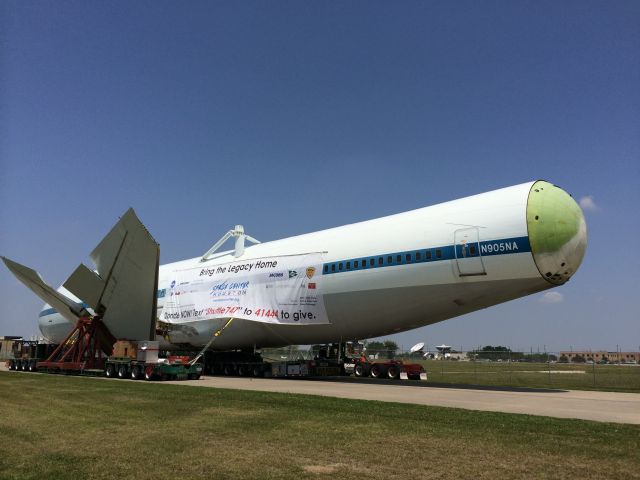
x=271 y=290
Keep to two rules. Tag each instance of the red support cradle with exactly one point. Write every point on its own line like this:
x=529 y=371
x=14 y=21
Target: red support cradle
x=85 y=348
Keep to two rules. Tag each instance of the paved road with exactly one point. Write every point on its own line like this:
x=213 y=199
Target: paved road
x=586 y=405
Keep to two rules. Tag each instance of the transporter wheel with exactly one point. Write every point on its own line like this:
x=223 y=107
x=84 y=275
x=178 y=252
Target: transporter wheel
x=148 y=373
x=123 y=371
x=358 y=370
x=229 y=370
x=12 y=364
x=376 y=371
x=136 y=372
x=25 y=366
x=257 y=372
x=110 y=370
x=393 y=373
x=32 y=366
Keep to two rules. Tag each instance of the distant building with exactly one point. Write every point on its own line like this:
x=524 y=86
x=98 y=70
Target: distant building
x=457 y=356
x=601 y=355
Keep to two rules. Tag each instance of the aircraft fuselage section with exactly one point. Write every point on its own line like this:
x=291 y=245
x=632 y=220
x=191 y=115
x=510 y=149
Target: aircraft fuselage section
x=398 y=272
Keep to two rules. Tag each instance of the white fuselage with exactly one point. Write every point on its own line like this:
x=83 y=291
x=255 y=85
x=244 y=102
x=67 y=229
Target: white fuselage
x=420 y=267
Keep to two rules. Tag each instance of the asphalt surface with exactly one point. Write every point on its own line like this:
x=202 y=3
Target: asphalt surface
x=586 y=405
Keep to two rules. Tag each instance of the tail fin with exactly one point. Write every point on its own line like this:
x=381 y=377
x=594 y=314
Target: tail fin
x=123 y=291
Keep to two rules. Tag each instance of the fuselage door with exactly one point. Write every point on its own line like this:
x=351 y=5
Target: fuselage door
x=467 y=251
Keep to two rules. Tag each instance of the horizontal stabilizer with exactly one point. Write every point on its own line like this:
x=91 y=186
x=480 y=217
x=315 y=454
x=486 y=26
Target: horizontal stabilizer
x=68 y=308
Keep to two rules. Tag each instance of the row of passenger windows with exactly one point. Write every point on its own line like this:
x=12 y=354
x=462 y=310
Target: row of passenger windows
x=397 y=259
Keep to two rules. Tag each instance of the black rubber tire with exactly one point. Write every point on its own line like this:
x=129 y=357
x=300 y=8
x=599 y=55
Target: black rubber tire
x=358 y=370
x=12 y=364
x=376 y=371
x=25 y=366
x=148 y=374
x=136 y=373
x=123 y=371
x=393 y=373
x=109 y=370
x=257 y=372
x=32 y=366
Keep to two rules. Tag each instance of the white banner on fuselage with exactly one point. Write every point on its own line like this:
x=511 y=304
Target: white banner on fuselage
x=282 y=290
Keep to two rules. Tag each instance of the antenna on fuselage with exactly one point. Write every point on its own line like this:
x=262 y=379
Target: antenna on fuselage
x=239 y=235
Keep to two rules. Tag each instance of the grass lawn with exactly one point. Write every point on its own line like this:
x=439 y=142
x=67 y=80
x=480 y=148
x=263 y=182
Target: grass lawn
x=621 y=378
x=70 y=427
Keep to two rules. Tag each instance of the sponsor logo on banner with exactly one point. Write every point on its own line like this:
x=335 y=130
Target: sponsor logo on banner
x=293 y=274
x=310 y=272
x=219 y=286
x=276 y=275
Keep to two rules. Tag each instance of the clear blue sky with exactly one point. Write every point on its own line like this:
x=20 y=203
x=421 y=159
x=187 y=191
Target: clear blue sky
x=290 y=117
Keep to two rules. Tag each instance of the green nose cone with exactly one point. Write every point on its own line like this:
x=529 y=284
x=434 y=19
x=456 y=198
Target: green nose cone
x=557 y=232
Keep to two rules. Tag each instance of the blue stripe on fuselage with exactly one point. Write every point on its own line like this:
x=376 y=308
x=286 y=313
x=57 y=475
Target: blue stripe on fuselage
x=51 y=311
x=486 y=248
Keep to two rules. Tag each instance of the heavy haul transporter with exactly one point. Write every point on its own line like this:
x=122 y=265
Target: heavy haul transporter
x=142 y=360
x=91 y=350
